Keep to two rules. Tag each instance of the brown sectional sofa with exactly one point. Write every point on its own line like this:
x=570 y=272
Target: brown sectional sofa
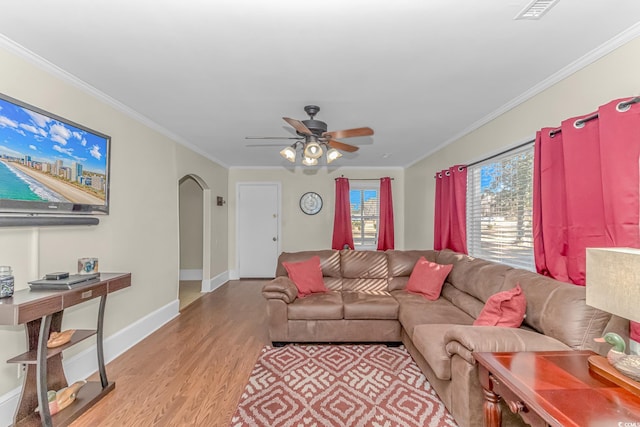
x=367 y=302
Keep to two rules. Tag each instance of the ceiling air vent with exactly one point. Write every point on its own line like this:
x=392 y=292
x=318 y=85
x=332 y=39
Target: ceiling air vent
x=536 y=9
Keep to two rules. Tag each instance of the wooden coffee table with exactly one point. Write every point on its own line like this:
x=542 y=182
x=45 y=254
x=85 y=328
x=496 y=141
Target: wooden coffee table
x=553 y=388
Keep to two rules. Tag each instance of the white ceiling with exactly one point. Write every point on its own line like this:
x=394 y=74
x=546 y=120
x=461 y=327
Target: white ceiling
x=419 y=72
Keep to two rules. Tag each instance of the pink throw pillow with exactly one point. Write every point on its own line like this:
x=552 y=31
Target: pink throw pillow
x=427 y=278
x=307 y=276
x=505 y=308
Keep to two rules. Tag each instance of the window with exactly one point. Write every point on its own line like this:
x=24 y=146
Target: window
x=499 y=209
x=365 y=214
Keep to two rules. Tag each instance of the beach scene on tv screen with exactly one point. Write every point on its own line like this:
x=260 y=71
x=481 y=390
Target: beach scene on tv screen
x=44 y=159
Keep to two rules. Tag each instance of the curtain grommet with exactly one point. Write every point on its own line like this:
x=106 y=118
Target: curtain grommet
x=623 y=106
x=447 y=173
x=578 y=124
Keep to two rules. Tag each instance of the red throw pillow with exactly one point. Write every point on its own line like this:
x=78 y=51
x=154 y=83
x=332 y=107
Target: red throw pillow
x=505 y=308
x=427 y=278
x=307 y=275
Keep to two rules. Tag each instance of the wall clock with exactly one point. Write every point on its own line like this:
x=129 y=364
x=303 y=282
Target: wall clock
x=310 y=203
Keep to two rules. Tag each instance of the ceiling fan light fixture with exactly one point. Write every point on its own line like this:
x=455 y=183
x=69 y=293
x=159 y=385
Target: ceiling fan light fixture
x=309 y=161
x=313 y=150
x=333 y=154
x=289 y=153
x=314 y=141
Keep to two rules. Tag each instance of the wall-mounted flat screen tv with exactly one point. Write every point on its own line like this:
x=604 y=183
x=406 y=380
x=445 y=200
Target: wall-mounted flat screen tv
x=50 y=165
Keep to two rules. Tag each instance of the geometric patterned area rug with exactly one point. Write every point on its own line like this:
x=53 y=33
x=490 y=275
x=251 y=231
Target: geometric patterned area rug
x=339 y=385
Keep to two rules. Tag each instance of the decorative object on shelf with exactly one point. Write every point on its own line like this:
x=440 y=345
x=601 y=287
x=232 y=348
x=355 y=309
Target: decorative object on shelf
x=56 y=339
x=58 y=275
x=6 y=281
x=627 y=364
x=58 y=400
x=314 y=140
x=612 y=279
x=311 y=203
x=87 y=265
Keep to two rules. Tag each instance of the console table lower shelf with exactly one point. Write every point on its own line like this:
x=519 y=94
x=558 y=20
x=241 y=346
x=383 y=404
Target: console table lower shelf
x=88 y=395
x=41 y=313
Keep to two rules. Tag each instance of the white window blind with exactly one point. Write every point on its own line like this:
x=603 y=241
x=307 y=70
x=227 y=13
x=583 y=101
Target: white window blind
x=365 y=214
x=499 y=209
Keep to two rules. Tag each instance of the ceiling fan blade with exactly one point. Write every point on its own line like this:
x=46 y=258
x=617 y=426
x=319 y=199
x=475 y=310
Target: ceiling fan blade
x=298 y=125
x=265 y=145
x=342 y=146
x=272 y=137
x=350 y=133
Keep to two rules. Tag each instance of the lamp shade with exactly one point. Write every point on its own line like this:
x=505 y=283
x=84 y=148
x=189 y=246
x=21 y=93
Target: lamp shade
x=313 y=150
x=309 y=161
x=289 y=153
x=333 y=154
x=613 y=281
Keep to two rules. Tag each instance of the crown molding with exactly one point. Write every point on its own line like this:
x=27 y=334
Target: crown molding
x=621 y=39
x=325 y=168
x=78 y=83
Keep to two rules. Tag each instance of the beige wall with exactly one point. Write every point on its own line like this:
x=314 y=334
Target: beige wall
x=613 y=76
x=214 y=178
x=308 y=232
x=190 y=225
x=140 y=235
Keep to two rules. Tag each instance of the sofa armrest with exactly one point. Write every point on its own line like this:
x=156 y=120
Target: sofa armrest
x=464 y=340
x=438 y=343
x=280 y=288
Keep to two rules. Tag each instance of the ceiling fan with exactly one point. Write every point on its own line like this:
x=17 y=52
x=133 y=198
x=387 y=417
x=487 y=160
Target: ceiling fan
x=313 y=136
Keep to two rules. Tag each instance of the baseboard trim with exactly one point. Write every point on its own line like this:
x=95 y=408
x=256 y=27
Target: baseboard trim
x=209 y=285
x=193 y=274
x=84 y=364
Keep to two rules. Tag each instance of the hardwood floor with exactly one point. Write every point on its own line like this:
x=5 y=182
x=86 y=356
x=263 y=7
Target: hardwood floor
x=193 y=370
x=188 y=292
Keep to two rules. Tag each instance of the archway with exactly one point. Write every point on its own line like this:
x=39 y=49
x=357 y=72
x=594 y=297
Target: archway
x=194 y=198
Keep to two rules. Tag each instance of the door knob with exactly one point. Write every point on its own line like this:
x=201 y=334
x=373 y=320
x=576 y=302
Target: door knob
x=274 y=239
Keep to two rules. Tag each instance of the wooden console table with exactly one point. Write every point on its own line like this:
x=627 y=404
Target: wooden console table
x=553 y=388
x=41 y=313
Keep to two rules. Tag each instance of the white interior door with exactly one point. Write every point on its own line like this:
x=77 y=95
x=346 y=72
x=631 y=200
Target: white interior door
x=258 y=229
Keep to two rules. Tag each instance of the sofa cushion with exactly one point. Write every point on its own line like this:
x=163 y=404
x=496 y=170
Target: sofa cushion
x=401 y=265
x=506 y=308
x=559 y=310
x=329 y=261
x=306 y=275
x=416 y=310
x=477 y=277
x=398 y=283
x=427 y=278
x=320 y=306
x=470 y=305
x=374 y=305
x=364 y=271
